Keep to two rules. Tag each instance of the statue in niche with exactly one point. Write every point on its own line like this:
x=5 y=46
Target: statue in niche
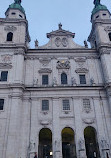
x=81 y=144
x=54 y=81
x=85 y=44
x=36 y=43
x=32 y=146
x=73 y=81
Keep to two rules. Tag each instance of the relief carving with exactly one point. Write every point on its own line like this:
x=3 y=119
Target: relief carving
x=45 y=123
x=63 y=64
x=81 y=70
x=88 y=120
x=107 y=29
x=45 y=70
x=5 y=66
x=45 y=61
x=57 y=41
x=10 y=28
x=80 y=59
x=105 y=51
x=63 y=42
x=6 y=58
x=19 y=52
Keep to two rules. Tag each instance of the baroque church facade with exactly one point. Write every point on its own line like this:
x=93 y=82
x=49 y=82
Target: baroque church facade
x=55 y=100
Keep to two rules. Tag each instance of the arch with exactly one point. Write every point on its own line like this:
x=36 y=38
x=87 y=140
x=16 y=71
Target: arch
x=91 y=143
x=68 y=143
x=45 y=143
x=109 y=36
x=9 y=36
x=63 y=78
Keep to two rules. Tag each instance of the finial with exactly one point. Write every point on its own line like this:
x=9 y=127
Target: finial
x=96 y=2
x=18 y=1
x=85 y=44
x=60 y=26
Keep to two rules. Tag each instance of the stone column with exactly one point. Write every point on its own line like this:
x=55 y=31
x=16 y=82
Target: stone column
x=57 y=144
x=79 y=135
x=15 y=119
x=33 y=127
x=102 y=133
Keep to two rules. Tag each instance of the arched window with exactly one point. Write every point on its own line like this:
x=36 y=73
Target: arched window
x=9 y=36
x=110 y=36
x=63 y=78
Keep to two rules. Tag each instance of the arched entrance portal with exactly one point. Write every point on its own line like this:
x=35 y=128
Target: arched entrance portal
x=45 y=143
x=68 y=143
x=92 y=149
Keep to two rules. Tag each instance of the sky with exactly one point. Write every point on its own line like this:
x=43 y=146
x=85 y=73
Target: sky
x=44 y=16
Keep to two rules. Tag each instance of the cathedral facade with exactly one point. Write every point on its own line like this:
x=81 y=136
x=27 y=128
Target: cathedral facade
x=55 y=100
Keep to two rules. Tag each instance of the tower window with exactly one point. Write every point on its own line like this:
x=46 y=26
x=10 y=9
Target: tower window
x=1 y=104
x=4 y=75
x=20 y=16
x=13 y=13
x=45 y=105
x=66 y=104
x=82 y=79
x=45 y=80
x=63 y=78
x=9 y=36
x=110 y=36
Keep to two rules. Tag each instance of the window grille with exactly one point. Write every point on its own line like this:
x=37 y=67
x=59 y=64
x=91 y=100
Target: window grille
x=45 y=105
x=66 y=104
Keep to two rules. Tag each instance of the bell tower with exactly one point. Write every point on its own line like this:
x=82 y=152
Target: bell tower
x=14 y=28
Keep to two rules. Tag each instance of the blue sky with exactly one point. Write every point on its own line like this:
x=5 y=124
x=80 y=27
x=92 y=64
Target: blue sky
x=45 y=15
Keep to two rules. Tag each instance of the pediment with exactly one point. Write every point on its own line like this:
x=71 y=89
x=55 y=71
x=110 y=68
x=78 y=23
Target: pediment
x=60 y=33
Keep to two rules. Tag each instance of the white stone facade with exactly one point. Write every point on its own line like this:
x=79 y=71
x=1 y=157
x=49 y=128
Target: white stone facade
x=22 y=117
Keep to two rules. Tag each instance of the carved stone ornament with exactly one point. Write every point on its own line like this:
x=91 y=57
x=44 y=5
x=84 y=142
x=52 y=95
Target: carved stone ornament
x=81 y=70
x=104 y=144
x=5 y=66
x=6 y=58
x=88 y=120
x=45 y=61
x=10 y=28
x=105 y=51
x=63 y=42
x=57 y=41
x=45 y=70
x=63 y=64
x=81 y=144
x=80 y=59
x=19 y=52
x=45 y=123
x=108 y=28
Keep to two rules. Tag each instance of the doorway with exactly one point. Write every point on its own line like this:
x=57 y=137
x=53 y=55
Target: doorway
x=45 y=143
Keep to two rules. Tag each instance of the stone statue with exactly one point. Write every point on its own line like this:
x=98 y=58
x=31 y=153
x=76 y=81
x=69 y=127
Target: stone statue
x=57 y=145
x=96 y=2
x=32 y=146
x=36 y=43
x=60 y=26
x=54 y=82
x=85 y=44
x=81 y=144
x=35 y=82
x=73 y=81
x=92 y=81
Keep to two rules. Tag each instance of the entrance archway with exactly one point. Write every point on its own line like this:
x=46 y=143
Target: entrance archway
x=45 y=143
x=92 y=148
x=68 y=143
